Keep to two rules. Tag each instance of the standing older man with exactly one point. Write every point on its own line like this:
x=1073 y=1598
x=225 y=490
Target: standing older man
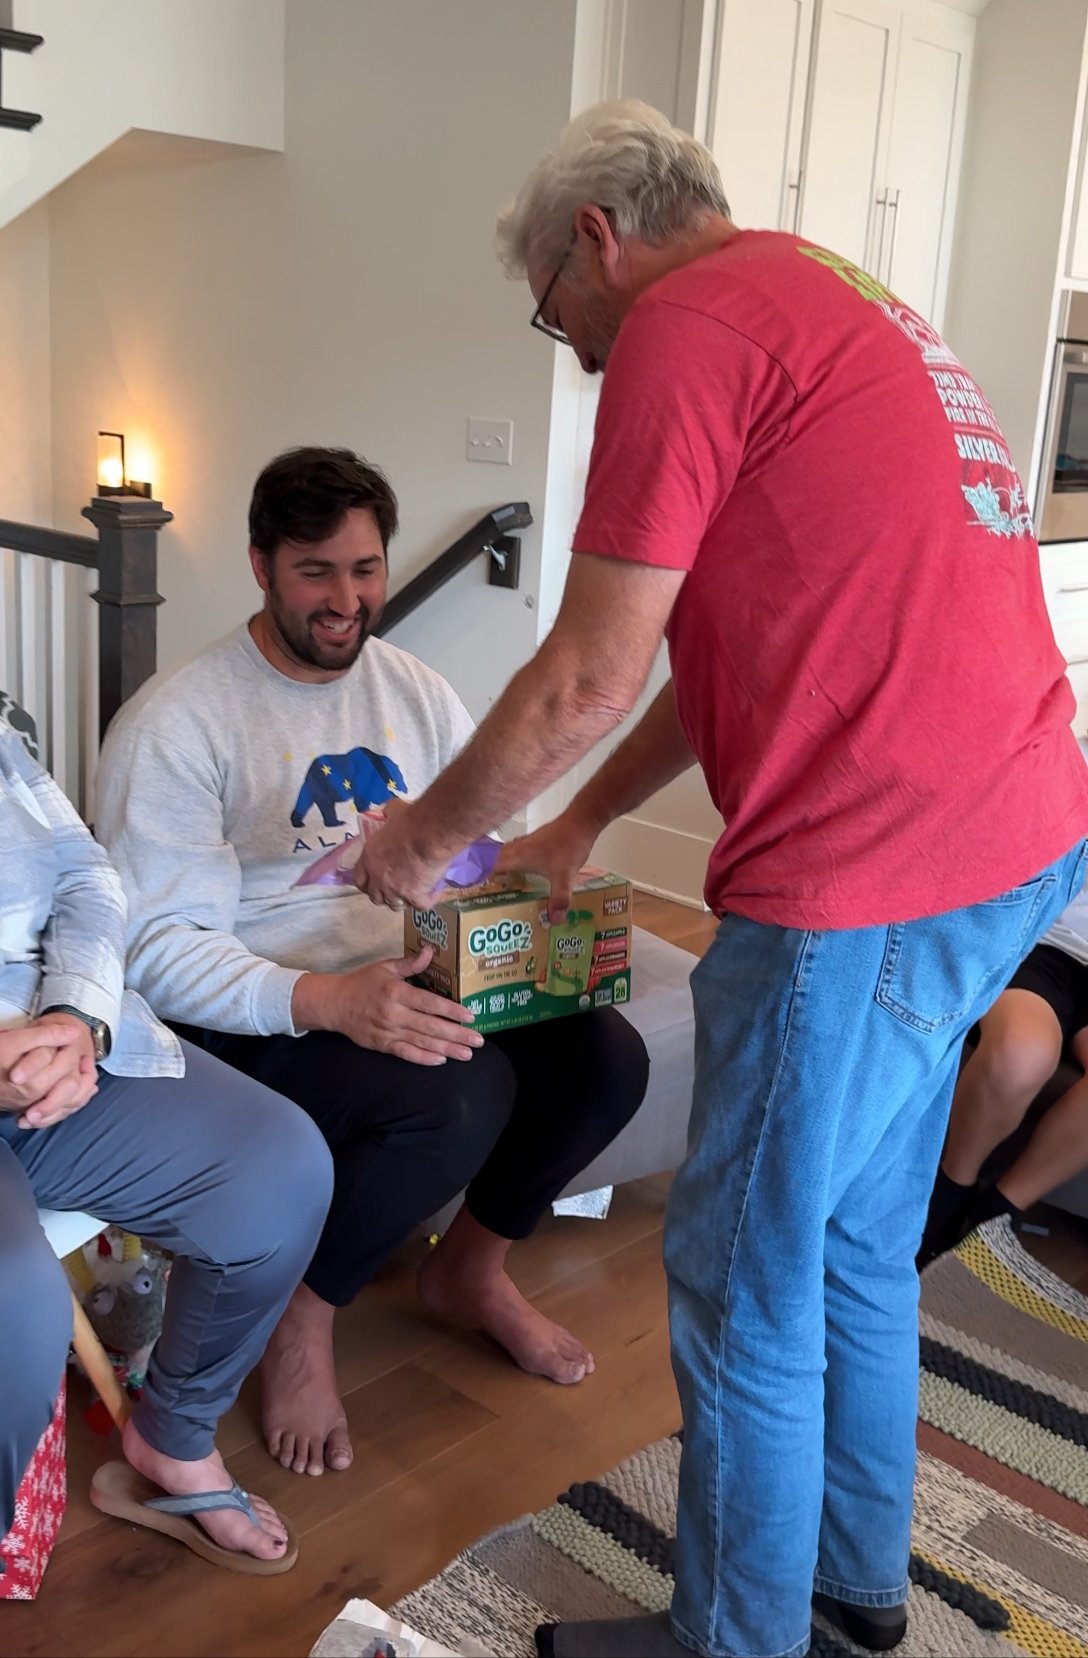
x=793 y=478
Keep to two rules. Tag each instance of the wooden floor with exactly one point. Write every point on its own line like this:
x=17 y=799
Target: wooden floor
x=450 y=1441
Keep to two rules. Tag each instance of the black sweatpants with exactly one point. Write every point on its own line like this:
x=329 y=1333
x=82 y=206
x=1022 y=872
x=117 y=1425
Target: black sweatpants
x=514 y=1124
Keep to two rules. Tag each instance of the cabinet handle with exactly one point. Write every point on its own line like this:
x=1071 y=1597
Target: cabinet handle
x=794 y=189
x=882 y=203
x=1076 y=661
x=1077 y=587
x=893 y=213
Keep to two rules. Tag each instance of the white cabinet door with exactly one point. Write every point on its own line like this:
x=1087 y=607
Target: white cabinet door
x=1078 y=252
x=1064 y=567
x=930 y=110
x=844 y=197
x=758 y=109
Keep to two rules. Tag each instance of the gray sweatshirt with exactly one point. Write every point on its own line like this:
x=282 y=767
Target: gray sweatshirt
x=219 y=782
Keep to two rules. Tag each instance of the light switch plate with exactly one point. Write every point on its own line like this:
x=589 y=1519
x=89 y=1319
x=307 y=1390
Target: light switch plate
x=490 y=440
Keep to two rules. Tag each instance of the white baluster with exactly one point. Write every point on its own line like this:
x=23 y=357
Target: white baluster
x=57 y=651
x=31 y=656
x=9 y=619
x=88 y=680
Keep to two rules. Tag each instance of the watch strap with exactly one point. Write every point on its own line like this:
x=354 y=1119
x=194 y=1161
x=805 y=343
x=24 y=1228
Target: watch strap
x=98 y=1028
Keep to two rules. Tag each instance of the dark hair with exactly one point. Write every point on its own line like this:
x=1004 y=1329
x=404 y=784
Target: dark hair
x=304 y=494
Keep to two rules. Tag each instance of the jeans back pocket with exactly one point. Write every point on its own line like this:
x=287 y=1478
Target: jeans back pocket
x=937 y=971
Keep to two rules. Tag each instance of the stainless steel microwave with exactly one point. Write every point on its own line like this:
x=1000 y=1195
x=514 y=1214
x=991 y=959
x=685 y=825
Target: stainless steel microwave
x=1064 y=494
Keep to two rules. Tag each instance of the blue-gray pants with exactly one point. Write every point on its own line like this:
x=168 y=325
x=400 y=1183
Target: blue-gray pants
x=233 y=1179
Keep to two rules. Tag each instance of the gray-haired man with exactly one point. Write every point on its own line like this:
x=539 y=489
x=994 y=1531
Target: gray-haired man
x=794 y=478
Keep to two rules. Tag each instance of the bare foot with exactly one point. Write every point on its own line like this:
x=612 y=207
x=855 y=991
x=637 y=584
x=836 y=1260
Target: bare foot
x=228 y=1527
x=304 y=1423
x=492 y=1302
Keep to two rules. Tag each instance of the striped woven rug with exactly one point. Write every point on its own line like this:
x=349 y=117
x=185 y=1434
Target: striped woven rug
x=1001 y=1506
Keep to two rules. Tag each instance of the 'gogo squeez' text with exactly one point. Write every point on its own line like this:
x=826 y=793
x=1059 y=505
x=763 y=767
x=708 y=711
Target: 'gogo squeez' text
x=500 y=938
x=432 y=928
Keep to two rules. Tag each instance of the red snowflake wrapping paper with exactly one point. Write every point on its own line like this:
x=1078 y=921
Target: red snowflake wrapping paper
x=39 y=1510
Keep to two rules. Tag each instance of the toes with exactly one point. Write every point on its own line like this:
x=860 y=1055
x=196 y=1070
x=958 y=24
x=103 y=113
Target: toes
x=270 y=1522
x=273 y=1441
x=287 y=1450
x=338 y=1452
x=304 y=1459
x=569 y=1373
x=573 y=1361
x=269 y=1542
x=266 y=1547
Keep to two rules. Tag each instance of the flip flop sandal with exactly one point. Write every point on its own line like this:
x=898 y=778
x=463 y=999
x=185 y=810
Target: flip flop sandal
x=119 y=1490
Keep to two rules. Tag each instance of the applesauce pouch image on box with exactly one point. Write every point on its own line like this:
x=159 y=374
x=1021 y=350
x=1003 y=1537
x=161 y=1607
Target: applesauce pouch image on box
x=570 y=954
x=495 y=953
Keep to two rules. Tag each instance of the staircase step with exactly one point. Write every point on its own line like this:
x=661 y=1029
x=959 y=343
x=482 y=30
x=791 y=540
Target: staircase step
x=20 y=118
x=17 y=40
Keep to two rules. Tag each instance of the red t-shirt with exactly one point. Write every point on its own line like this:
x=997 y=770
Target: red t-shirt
x=863 y=661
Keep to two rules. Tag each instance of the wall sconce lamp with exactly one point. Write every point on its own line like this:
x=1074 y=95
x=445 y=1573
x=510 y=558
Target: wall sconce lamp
x=113 y=477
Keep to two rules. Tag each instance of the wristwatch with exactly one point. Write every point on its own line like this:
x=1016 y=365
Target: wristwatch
x=100 y=1031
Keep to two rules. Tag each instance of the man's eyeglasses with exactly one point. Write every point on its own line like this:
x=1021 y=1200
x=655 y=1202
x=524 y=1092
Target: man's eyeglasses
x=537 y=318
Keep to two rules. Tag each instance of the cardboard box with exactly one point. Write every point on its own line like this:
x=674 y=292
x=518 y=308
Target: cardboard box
x=495 y=953
x=39 y=1510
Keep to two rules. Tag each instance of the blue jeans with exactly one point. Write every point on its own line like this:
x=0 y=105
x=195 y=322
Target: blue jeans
x=824 y=1068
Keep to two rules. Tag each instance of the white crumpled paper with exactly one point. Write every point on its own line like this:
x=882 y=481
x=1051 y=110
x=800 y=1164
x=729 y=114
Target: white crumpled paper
x=363 y=1630
x=589 y=1205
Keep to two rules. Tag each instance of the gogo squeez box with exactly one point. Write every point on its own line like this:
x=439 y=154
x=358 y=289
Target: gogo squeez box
x=495 y=952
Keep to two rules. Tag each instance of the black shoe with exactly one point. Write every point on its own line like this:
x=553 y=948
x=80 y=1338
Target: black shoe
x=544 y=1636
x=877 y=1627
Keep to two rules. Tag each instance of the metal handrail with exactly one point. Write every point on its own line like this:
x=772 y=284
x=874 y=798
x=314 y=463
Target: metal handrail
x=18 y=40
x=490 y=535
x=61 y=544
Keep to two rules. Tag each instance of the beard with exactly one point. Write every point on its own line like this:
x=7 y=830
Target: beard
x=297 y=633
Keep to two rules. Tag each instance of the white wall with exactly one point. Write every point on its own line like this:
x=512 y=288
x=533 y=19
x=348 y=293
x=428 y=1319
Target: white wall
x=25 y=416
x=1024 y=89
x=210 y=69
x=219 y=306
x=647 y=49
x=344 y=292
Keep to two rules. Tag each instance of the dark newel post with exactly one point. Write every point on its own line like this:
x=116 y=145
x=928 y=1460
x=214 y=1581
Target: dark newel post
x=128 y=531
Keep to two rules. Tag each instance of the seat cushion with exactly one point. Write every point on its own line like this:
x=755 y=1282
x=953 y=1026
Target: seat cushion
x=661 y=1011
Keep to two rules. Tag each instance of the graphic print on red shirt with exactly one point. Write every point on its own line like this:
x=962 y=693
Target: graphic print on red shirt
x=980 y=443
